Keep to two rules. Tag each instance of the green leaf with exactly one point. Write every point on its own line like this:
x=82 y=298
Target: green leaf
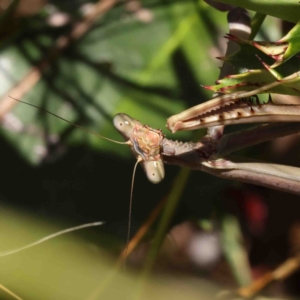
x=287 y=10
x=253 y=55
x=293 y=40
x=254 y=79
x=234 y=250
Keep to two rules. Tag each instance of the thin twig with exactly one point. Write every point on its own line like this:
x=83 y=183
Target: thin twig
x=283 y=271
x=143 y=229
x=96 y=294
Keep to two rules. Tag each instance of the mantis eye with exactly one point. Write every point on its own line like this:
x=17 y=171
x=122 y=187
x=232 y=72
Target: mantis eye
x=155 y=170
x=124 y=124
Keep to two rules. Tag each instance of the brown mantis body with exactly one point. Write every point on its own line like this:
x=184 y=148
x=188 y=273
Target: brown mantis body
x=210 y=156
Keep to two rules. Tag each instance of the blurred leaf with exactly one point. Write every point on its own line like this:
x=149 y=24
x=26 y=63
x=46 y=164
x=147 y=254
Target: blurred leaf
x=71 y=267
x=235 y=252
x=8 y=12
x=115 y=68
x=253 y=55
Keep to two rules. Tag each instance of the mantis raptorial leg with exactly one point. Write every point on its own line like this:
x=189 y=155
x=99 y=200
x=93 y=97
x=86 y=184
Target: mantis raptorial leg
x=230 y=109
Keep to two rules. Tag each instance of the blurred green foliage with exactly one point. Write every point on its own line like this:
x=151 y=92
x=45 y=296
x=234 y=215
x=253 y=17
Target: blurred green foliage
x=148 y=62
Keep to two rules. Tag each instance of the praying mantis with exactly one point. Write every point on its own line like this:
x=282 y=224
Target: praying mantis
x=207 y=154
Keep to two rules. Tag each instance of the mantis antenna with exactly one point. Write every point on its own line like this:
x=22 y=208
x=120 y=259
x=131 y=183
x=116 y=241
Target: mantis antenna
x=71 y=123
x=139 y=159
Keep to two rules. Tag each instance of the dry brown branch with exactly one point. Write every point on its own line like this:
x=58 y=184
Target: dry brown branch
x=283 y=271
x=143 y=229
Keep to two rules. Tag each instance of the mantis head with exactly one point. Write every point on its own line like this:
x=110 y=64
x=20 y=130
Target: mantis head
x=144 y=143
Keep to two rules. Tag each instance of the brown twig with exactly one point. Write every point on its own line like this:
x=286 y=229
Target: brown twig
x=35 y=73
x=283 y=271
x=143 y=229
x=126 y=252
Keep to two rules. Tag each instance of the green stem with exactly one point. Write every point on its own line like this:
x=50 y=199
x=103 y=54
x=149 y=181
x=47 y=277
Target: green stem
x=256 y=22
